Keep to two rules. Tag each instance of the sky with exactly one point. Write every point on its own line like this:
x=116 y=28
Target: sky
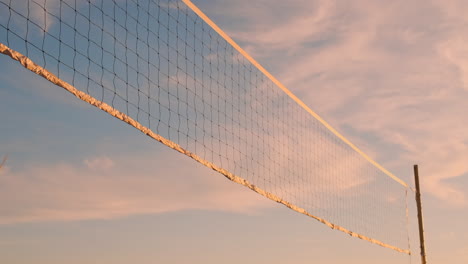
x=80 y=186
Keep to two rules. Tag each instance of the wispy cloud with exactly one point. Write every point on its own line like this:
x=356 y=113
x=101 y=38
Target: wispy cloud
x=395 y=73
x=109 y=187
x=37 y=12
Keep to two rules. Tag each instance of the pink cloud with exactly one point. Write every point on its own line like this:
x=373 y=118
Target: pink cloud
x=105 y=188
x=396 y=71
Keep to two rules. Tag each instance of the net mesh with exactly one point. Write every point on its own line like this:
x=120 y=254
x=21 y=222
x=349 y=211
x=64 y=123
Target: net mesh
x=164 y=66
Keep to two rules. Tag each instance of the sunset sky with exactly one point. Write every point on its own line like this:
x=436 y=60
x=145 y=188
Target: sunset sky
x=80 y=186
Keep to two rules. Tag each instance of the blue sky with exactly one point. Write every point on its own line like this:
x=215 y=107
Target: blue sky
x=392 y=78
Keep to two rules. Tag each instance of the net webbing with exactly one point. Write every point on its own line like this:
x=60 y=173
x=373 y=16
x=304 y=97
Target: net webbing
x=166 y=69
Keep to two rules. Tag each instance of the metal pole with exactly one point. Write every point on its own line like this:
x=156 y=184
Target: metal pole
x=420 y=217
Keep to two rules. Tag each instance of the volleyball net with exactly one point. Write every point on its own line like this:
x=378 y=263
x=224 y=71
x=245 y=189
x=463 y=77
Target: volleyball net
x=166 y=69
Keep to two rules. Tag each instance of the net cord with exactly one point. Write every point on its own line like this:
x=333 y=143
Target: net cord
x=30 y=65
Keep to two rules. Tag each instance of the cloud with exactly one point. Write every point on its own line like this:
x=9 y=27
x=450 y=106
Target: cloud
x=395 y=73
x=456 y=53
x=99 y=163
x=295 y=33
x=37 y=12
x=111 y=187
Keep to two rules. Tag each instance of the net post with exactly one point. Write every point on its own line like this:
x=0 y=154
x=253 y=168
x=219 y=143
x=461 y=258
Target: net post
x=3 y=161
x=420 y=217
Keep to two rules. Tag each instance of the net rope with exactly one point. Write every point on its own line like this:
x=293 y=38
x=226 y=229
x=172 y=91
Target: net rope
x=166 y=69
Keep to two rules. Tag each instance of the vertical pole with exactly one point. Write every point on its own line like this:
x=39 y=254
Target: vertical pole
x=3 y=161
x=420 y=217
